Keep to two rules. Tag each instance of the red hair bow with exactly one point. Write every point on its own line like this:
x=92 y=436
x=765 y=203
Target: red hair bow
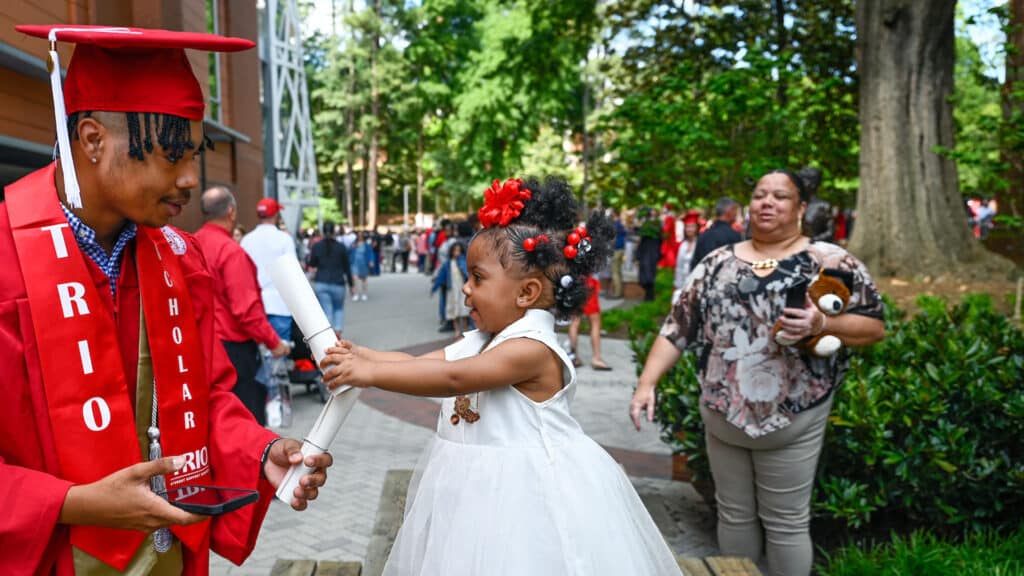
x=503 y=202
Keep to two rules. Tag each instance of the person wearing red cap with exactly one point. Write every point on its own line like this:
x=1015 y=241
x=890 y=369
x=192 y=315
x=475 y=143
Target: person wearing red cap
x=109 y=356
x=268 y=209
x=684 y=259
x=265 y=244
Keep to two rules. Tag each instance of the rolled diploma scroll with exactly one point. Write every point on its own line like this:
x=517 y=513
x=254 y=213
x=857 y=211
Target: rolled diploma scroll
x=298 y=295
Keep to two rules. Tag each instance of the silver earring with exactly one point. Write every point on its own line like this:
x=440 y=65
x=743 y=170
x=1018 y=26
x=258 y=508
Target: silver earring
x=93 y=159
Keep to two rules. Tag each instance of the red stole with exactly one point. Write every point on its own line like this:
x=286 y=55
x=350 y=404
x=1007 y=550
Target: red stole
x=90 y=412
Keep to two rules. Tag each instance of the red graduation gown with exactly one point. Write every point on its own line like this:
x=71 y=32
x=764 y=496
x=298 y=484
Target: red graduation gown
x=669 y=244
x=31 y=489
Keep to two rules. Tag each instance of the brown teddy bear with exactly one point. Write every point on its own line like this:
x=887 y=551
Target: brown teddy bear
x=830 y=292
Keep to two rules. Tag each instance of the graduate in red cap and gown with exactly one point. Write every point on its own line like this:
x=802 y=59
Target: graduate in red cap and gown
x=107 y=350
x=669 y=242
x=684 y=257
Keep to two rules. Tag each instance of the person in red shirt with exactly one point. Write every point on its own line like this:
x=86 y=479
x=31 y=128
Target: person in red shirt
x=117 y=392
x=592 y=311
x=239 y=319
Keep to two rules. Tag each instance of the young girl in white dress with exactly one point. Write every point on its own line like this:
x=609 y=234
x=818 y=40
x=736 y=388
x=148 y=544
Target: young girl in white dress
x=511 y=485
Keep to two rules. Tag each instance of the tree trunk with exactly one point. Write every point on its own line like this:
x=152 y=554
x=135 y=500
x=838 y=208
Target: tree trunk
x=350 y=127
x=781 y=96
x=782 y=38
x=1010 y=200
x=419 y=170
x=371 y=166
x=349 y=188
x=586 y=142
x=336 y=189
x=362 y=191
x=910 y=216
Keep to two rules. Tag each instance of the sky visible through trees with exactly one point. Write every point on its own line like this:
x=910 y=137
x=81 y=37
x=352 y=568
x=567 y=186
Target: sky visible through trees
x=634 y=101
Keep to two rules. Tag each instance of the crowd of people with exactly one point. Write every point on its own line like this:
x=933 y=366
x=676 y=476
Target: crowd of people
x=648 y=239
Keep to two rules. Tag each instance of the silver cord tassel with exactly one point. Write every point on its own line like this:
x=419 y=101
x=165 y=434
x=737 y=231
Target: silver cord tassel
x=162 y=537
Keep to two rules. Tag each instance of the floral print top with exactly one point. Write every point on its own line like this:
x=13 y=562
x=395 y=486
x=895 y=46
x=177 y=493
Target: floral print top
x=725 y=313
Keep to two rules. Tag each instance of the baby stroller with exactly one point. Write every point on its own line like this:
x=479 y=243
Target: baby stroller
x=304 y=369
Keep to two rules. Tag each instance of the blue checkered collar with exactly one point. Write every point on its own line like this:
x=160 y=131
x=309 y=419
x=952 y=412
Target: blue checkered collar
x=86 y=238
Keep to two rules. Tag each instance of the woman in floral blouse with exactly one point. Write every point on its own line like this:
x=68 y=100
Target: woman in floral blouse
x=764 y=405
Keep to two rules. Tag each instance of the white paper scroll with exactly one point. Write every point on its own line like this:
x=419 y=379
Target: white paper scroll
x=298 y=295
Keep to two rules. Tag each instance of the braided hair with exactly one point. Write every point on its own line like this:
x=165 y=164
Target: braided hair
x=172 y=133
x=545 y=225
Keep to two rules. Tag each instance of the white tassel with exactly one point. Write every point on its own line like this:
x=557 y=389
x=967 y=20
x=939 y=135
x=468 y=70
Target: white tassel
x=72 y=193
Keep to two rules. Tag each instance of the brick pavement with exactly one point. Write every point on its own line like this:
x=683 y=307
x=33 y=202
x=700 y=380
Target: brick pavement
x=338 y=525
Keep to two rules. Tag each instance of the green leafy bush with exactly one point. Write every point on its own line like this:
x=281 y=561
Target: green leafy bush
x=927 y=430
x=645 y=317
x=986 y=553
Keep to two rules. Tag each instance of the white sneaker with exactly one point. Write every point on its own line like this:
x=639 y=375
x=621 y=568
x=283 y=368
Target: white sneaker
x=355 y=297
x=365 y=297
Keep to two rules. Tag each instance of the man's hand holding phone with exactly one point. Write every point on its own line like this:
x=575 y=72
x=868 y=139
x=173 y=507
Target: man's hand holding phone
x=124 y=500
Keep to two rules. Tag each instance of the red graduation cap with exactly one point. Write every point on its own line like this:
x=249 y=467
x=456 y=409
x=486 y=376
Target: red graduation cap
x=692 y=217
x=124 y=70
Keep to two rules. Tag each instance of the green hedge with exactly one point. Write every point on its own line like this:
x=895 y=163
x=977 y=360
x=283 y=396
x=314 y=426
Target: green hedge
x=927 y=430
x=983 y=554
x=644 y=317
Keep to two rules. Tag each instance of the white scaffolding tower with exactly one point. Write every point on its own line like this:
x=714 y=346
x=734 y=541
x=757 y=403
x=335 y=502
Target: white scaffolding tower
x=290 y=167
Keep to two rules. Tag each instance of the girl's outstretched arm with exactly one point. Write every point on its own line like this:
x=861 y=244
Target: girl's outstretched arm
x=513 y=362
x=380 y=356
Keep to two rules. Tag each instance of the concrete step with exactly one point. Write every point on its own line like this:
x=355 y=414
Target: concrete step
x=717 y=566
x=286 y=567
x=390 y=512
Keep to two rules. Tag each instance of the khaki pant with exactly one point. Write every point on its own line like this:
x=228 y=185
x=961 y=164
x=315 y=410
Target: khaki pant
x=763 y=488
x=617 y=273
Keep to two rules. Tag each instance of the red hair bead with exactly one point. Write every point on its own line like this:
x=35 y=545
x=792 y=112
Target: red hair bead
x=574 y=238
x=570 y=252
x=529 y=244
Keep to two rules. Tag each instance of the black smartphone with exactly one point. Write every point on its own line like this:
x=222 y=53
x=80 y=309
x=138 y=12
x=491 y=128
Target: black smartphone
x=796 y=295
x=210 y=500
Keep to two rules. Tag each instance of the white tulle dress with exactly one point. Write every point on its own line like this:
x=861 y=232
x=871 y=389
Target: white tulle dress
x=522 y=491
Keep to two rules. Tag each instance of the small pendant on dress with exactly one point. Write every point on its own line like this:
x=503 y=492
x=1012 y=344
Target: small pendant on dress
x=463 y=410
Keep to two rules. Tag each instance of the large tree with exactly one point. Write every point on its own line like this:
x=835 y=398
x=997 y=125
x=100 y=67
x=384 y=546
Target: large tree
x=910 y=215
x=1006 y=239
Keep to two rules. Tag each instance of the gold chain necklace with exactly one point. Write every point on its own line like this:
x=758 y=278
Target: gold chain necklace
x=768 y=263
